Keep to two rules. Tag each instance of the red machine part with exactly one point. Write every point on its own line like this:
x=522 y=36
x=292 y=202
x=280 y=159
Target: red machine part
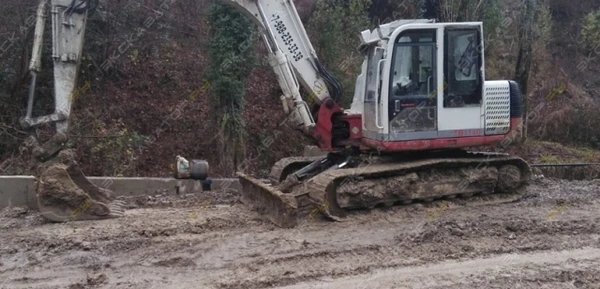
x=323 y=135
x=441 y=143
x=324 y=126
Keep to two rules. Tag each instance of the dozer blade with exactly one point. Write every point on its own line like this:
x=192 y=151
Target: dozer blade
x=279 y=208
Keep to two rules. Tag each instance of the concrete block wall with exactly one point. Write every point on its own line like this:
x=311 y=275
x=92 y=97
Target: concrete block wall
x=19 y=191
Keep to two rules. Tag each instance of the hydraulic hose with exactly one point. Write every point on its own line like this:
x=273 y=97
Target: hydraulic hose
x=333 y=85
x=84 y=5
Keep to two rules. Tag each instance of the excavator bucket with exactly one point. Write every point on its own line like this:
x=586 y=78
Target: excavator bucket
x=279 y=208
x=65 y=194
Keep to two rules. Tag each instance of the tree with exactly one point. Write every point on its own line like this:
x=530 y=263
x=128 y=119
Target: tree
x=524 y=59
x=336 y=45
x=231 y=59
x=487 y=11
x=590 y=31
x=456 y=10
x=386 y=11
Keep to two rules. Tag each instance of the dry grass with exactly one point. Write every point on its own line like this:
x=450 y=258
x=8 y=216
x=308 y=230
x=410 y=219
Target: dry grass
x=538 y=151
x=544 y=152
x=571 y=173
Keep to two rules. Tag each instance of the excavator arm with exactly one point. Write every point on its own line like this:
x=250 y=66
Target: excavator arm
x=68 y=29
x=63 y=191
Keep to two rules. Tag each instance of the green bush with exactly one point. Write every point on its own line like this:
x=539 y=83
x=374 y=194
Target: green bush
x=114 y=149
x=490 y=14
x=231 y=55
x=590 y=31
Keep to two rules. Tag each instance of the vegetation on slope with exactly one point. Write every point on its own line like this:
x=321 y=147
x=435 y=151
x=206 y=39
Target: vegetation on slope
x=231 y=57
x=143 y=102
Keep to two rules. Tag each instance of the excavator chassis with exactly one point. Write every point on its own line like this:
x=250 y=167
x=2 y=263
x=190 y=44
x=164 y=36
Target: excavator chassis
x=381 y=181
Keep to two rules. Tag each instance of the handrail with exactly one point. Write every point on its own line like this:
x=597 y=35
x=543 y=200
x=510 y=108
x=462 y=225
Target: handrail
x=377 y=80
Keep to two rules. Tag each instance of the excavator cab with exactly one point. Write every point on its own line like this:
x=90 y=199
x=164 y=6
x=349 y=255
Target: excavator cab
x=425 y=81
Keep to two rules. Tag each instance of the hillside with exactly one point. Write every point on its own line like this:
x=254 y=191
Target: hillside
x=151 y=105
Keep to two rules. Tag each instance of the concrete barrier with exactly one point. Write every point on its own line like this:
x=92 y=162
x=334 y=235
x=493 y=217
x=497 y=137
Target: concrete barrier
x=19 y=191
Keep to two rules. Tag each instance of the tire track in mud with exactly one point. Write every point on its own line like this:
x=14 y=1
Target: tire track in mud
x=227 y=246
x=289 y=269
x=549 y=267
x=305 y=268
x=451 y=238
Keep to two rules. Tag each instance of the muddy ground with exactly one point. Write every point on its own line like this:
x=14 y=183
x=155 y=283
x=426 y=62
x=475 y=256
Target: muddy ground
x=549 y=239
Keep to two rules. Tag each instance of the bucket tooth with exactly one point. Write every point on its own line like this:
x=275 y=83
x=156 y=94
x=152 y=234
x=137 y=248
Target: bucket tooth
x=279 y=208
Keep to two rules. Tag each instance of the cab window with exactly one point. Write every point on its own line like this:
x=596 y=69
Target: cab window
x=463 y=76
x=413 y=66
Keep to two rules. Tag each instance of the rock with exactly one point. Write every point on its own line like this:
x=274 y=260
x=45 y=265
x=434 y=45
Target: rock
x=96 y=279
x=86 y=246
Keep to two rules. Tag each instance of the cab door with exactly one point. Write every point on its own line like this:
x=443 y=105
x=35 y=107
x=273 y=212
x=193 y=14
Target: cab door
x=413 y=100
x=373 y=106
x=461 y=102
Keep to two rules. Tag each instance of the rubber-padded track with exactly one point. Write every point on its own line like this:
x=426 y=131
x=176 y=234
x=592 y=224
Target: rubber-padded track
x=322 y=188
x=283 y=209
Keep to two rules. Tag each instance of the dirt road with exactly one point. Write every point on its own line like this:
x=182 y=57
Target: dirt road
x=550 y=239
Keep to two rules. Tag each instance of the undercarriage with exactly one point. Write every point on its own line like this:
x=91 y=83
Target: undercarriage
x=336 y=184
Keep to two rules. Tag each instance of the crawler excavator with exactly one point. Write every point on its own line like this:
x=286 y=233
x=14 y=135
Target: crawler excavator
x=421 y=101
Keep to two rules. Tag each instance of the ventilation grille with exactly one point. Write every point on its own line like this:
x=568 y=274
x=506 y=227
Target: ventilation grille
x=497 y=109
